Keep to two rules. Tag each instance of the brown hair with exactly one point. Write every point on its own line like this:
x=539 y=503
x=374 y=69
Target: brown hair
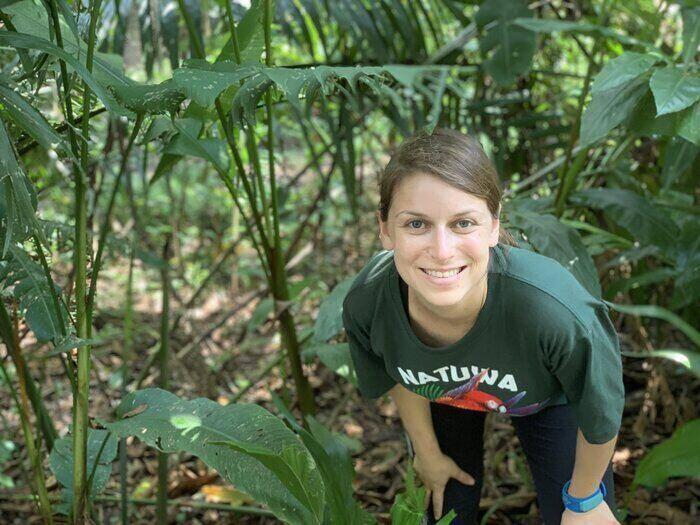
x=456 y=158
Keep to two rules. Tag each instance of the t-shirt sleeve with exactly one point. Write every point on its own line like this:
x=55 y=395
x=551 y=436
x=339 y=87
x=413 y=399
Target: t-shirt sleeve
x=586 y=361
x=372 y=378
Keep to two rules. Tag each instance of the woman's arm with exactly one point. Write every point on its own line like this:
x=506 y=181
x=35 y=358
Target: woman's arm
x=415 y=416
x=434 y=468
x=591 y=462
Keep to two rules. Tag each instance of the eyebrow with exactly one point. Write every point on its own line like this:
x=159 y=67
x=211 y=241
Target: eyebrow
x=418 y=214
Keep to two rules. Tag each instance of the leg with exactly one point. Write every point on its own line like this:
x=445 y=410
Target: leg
x=548 y=438
x=460 y=434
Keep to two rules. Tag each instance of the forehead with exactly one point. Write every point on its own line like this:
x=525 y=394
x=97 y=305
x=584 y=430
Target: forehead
x=432 y=196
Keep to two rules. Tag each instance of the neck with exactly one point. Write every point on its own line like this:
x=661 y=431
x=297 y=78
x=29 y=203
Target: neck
x=462 y=313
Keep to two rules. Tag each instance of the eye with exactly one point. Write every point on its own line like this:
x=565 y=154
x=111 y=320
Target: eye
x=469 y=223
x=413 y=222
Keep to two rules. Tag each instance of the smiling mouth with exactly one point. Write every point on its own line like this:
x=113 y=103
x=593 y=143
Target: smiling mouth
x=458 y=272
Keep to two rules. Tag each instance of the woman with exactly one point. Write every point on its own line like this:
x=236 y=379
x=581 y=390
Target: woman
x=454 y=320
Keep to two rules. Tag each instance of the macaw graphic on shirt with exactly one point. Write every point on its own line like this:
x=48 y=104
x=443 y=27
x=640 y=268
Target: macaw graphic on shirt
x=469 y=397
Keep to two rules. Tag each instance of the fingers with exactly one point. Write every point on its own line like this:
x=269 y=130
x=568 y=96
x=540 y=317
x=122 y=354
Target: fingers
x=464 y=477
x=426 y=499
x=437 y=502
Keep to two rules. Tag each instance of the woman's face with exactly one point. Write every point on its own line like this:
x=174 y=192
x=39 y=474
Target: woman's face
x=434 y=226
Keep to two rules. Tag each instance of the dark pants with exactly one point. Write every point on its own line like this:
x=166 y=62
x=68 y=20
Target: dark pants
x=548 y=439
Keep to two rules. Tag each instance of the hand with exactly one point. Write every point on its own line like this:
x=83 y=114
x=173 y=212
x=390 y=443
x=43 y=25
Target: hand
x=600 y=515
x=435 y=471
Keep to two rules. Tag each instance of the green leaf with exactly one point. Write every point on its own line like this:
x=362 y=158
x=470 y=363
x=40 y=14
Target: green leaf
x=334 y=356
x=172 y=424
x=607 y=109
x=165 y=97
x=647 y=223
x=61 y=463
x=30 y=120
x=688 y=358
x=685 y=123
x=329 y=321
x=408 y=507
x=33 y=292
x=203 y=84
x=677 y=456
x=23 y=41
x=658 y=312
x=250 y=34
x=554 y=239
x=540 y=25
x=691 y=33
x=621 y=70
x=187 y=143
x=510 y=47
x=679 y=156
x=334 y=462
x=674 y=89
x=18 y=199
x=30 y=17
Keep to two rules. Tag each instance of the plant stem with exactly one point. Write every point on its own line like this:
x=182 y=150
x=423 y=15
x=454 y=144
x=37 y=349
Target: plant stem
x=9 y=336
x=162 y=505
x=80 y=402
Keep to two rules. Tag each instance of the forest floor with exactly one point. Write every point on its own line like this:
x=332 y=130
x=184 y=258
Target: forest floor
x=659 y=396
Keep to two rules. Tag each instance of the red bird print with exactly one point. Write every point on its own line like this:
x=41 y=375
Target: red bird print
x=469 y=397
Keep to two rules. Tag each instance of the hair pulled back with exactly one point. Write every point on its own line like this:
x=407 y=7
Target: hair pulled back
x=453 y=157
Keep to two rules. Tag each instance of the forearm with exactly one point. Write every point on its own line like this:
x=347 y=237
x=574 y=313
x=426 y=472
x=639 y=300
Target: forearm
x=591 y=463
x=414 y=411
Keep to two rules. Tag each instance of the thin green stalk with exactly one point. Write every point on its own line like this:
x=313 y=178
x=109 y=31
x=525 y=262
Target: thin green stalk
x=9 y=336
x=162 y=497
x=80 y=404
x=280 y=286
x=126 y=359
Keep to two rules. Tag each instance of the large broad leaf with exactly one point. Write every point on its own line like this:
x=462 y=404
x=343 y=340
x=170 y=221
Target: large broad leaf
x=99 y=442
x=171 y=424
x=609 y=108
x=333 y=459
x=204 y=83
x=647 y=223
x=621 y=70
x=685 y=123
x=674 y=89
x=677 y=456
x=329 y=321
x=554 y=239
x=33 y=292
x=510 y=47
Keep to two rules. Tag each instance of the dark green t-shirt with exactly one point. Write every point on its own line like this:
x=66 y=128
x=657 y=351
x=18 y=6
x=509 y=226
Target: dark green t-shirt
x=540 y=339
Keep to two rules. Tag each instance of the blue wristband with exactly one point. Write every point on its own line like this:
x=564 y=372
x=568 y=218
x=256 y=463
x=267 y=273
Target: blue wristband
x=582 y=504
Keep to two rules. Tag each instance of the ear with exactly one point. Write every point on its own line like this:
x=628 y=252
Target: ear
x=384 y=236
x=495 y=230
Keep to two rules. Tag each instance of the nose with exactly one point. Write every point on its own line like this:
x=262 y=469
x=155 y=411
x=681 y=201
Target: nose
x=442 y=244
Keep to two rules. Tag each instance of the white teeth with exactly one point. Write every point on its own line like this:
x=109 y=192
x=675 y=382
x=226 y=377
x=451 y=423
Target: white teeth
x=442 y=274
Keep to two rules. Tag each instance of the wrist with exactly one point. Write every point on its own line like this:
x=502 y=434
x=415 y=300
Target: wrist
x=582 y=504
